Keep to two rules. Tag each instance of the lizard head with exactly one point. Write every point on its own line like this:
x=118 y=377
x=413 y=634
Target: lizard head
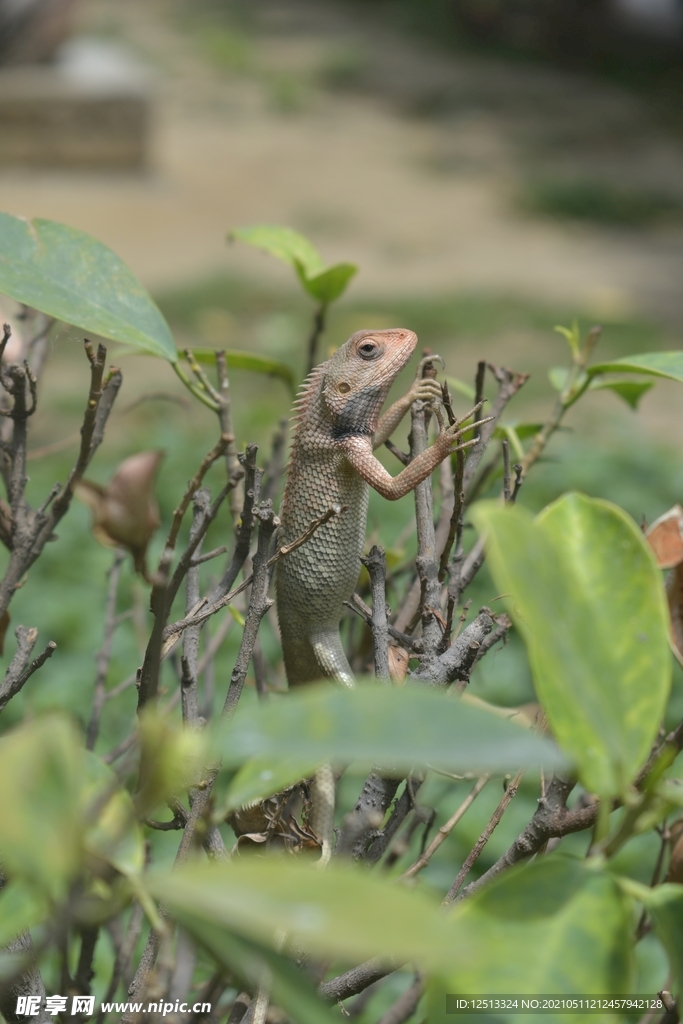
x=358 y=377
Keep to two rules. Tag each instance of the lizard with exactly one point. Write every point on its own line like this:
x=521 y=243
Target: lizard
x=337 y=429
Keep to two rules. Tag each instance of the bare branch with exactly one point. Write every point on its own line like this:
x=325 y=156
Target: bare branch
x=483 y=839
x=406 y=1004
x=19 y=672
x=103 y=657
x=259 y=602
x=358 y=978
x=375 y=563
x=446 y=829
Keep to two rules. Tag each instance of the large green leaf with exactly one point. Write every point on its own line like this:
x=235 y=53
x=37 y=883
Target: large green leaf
x=283 y=243
x=40 y=776
x=237 y=360
x=381 y=726
x=342 y=911
x=655 y=364
x=587 y=597
x=250 y=961
x=71 y=276
x=558 y=926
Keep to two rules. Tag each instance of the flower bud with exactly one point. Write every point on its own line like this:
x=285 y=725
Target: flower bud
x=125 y=512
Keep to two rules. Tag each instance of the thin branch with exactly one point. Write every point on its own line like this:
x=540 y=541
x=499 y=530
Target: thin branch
x=103 y=656
x=509 y=383
x=176 y=628
x=259 y=602
x=571 y=391
x=276 y=464
x=446 y=829
x=319 y=318
x=376 y=564
x=358 y=978
x=406 y=1004
x=483 y=839
x=358 y=605
x=232 y=464
x=14 y=679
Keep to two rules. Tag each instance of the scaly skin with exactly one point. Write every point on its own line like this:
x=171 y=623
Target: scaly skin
x=332 y=463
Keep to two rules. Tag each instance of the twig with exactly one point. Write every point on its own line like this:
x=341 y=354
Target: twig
x=569 y=394
x=123 y=956
x=164 y=590
x=175 y=628
x=32 y=530
x=483 y=839
x=402 y=808
x=259 y=603
x=406 y=1004
x=358 y=978
x=276 y=464
x=446 y=829
x=103 y=656
x=509 y=384
x=188 y=684
x=13 y=682
x=232 y=464
x=319 y=318
x=358 y=605
x=376 y=564
x=84 y=970
x=214 y=553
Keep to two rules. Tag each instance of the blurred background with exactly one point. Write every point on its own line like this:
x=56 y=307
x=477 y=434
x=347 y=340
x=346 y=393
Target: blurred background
x=494 y=167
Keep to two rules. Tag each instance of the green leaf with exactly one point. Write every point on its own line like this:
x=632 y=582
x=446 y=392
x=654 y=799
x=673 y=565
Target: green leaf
x=237 y=360
x=655 y=364
x=523 y=430
x=555 y=926
x=631 y=391
x=72 y=277
x=665 y=904
x=342 y=911
x=587 y=597
x=325 y=284
x=378 y=725
x=262 y=777
x=114 y=835
x=250 y=961
x=572 y=336
x=329 y=284
x=40 y=777
x=283 y=243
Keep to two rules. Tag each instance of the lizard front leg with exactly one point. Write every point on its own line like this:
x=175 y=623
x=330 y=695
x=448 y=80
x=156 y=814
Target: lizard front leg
x=358 y=451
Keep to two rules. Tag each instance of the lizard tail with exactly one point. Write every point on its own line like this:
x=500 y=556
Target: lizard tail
x=331 y=659
x=322 y=810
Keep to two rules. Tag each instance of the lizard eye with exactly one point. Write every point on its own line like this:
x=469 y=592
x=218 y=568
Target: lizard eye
x=368 y=350
x=343 y=388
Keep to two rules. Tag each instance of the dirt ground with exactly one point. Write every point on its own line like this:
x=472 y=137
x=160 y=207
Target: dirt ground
x=413 y=175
